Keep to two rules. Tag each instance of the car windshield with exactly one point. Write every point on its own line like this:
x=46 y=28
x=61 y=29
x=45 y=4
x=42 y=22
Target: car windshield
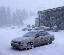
x=33 y=34
x=30 y=34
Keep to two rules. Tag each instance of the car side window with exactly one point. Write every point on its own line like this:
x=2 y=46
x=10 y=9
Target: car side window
x=42 y=33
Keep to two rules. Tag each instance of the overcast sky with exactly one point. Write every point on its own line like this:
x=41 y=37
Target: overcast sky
x=31 y=4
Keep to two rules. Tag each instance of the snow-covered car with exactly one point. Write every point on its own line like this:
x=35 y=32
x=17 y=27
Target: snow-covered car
x=32 y=39
x=42 y=28
x=26 y=29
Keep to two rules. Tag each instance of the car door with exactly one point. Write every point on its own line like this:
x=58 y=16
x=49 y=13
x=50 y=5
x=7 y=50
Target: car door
x=42 y=39
x=36 y=40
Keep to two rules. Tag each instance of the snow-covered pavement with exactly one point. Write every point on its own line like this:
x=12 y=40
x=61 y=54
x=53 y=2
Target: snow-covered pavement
x=7 y=34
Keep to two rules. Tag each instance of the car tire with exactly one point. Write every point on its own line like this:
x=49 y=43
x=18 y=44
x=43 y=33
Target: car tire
x=50 y=42
x=30 y=45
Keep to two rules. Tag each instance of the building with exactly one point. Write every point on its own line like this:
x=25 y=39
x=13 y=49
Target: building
x=51 y=17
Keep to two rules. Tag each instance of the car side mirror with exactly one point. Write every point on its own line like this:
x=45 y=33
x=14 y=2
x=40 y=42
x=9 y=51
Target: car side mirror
x=36 y=35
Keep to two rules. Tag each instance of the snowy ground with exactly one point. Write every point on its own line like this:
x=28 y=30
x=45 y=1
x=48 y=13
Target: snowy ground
x=7 y=34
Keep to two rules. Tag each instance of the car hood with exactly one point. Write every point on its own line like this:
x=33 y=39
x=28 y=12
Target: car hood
x=23 y=39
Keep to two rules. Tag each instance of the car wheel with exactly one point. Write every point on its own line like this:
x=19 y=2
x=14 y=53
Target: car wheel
x=50 y=42
x=30 y=45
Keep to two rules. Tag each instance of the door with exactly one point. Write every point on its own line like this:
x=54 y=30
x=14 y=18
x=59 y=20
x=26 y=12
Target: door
x=41 y=40
x=37 y=41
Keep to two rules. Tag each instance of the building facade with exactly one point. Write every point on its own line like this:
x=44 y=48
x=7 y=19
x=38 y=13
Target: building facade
x=51 y=17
